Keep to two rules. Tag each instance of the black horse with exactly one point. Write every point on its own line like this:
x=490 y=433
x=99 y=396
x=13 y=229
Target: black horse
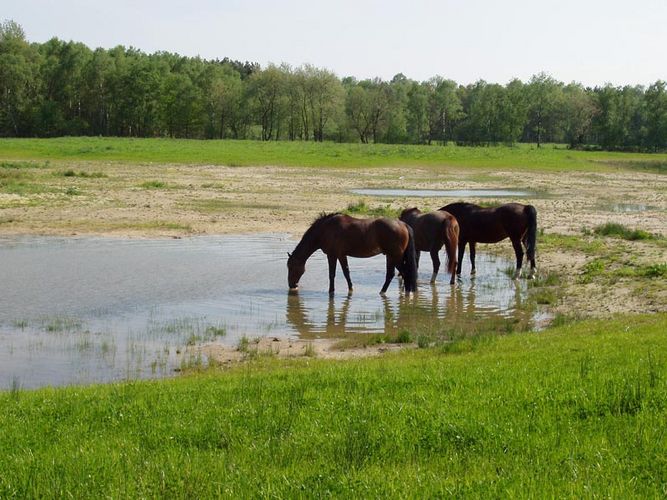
x=491 y=225
x=340 y=236
x=432 y=231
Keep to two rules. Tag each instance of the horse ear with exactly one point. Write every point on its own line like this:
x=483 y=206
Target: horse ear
x=289 y=254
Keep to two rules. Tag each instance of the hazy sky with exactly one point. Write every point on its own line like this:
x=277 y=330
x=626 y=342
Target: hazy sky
x=590 y=41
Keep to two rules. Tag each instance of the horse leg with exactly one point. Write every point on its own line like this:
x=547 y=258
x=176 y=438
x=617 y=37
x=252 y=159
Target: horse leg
x=346 y=271
x=518 y=251
x=332 y=272
x=436 y=263
x=389 y=276
x=473 y=246
x=417 y=254
x=462 y=251
x=531 y=275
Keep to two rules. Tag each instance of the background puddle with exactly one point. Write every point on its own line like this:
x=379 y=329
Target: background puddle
x=448 y=193
x=84 y=310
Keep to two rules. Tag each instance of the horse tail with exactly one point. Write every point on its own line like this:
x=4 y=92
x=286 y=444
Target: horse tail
x=531 y=237
x=451 y=243
x=410 y=263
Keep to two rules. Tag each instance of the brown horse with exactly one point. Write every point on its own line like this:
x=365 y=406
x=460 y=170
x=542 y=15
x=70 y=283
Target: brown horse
x=340 y=236
x=491 y=225
x=432 y=231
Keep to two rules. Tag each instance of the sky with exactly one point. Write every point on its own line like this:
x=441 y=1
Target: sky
x=589 y=41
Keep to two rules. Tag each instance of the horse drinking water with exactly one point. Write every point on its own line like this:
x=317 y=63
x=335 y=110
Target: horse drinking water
x=491 y=225
x=432 y=231
x=340 y=236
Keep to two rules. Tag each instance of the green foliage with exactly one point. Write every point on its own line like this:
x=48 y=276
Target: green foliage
x=615 y=229
x=360 y=208
x=153 y=185
x=655 y=271
x=404 y=337
x=83 y=174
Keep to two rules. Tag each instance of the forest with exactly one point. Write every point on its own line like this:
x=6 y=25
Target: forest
x=60 y=88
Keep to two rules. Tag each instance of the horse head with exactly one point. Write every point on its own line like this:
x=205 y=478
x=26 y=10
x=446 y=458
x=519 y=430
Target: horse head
x=295 y=269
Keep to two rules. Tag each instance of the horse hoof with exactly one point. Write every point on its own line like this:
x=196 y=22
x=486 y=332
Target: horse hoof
x=473 y=272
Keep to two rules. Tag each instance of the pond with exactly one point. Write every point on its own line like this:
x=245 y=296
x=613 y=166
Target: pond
x=449 y=193
x=83 y=310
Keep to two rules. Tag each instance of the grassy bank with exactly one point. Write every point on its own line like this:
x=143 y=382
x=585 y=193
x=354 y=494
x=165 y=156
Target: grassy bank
x=574 y=411
x=245 y=153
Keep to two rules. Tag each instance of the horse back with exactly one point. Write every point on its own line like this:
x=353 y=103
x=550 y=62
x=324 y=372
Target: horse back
x=428 y=229
x=346 y=235
x=489 y=224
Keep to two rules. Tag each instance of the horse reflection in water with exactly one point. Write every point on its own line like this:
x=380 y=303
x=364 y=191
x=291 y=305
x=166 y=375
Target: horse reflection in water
x=456 y=311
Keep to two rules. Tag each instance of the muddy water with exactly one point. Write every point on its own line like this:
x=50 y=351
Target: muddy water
x=81 y=310
x=448 y=193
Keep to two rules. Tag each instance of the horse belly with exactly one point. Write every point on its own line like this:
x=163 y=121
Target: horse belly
x=364 y=253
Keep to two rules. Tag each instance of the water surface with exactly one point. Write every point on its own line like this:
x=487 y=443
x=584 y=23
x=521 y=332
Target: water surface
x=82 y=310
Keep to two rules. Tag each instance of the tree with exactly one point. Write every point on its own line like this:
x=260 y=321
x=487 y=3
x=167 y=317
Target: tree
x=179 y=105
x=417 y=113
x=579 y=111
x=266 y=90
x=367 y=106
x=656 y=116
x=19 y=80
x=444 y=106
x=544 y=100
x=222 y=93
x=320 y=93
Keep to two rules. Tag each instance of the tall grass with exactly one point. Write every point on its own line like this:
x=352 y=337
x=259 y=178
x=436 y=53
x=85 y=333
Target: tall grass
x=565 y=413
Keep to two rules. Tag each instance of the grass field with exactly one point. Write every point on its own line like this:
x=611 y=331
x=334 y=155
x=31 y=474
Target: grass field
x=575 y=411
x=310 y=154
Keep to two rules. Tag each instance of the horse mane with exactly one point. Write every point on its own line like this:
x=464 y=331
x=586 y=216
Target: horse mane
x=324 y=216
x=309 y=234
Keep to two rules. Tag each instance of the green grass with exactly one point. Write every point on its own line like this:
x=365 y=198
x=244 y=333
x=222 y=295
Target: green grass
x=154 y=185
x=573 y=411
x=619 y=230
x=360 y=208
x=83 y=174
x=244 y=153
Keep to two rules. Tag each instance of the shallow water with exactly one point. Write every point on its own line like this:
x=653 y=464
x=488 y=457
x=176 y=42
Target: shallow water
x=81 y=310
x=447 y=193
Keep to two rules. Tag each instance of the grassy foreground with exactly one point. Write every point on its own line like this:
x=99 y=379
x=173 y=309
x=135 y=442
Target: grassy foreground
x=578 y=410
x=310 y=154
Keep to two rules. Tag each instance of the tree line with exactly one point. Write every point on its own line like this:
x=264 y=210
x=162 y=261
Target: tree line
x=64 y=88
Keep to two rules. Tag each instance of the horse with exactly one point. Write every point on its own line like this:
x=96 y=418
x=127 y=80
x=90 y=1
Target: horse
x=432 y=231
x=340 y=236
x=491 y=225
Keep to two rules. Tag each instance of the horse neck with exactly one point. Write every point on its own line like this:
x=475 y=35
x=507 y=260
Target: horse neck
x=308 y=245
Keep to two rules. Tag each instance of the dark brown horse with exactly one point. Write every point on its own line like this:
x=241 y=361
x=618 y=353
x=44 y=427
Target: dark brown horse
x=432 y=231
x=491 y=225
x=340 y=236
